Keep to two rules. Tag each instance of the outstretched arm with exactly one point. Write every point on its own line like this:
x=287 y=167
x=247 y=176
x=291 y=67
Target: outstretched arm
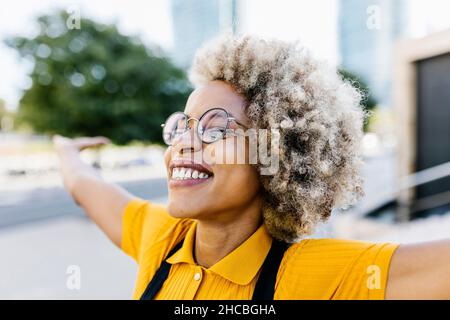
x=103 y=202
x=420 y=271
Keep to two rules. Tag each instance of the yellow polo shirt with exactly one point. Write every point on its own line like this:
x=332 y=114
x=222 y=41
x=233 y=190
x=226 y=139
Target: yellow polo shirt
x=310 y=269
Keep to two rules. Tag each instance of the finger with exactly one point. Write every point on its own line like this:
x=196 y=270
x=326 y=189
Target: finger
x=102 y=139
x=99 y=140
x=88 y=142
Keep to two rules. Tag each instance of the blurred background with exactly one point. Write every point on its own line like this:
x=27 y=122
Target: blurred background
x=118 y=69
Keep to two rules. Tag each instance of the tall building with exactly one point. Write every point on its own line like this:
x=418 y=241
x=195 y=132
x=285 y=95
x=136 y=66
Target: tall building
x=196 y=21
x=367 y=31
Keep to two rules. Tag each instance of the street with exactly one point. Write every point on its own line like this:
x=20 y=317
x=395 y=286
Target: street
x=43 y=234
x=17 y=207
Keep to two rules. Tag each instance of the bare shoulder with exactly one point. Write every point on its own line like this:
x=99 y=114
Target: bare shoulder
x=420 y=271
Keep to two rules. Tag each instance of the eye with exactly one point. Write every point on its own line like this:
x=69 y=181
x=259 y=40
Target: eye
x=213 y=134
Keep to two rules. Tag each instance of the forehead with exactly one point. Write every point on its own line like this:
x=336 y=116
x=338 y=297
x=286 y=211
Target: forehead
x=215 y=94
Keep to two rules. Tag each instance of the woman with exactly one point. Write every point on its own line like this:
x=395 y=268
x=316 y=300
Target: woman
x=234 y=230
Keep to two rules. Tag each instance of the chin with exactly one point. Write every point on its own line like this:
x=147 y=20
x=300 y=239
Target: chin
x=181 y=210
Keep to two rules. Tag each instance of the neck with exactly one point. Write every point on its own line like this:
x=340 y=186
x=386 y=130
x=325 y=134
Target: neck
x=214 y=239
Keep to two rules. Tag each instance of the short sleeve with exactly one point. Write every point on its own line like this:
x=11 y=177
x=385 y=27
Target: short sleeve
x=338 y=269
x=367 y=274
x=142 y=222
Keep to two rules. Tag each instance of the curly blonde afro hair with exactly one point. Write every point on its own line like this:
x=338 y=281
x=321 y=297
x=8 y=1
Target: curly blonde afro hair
x=319 y=152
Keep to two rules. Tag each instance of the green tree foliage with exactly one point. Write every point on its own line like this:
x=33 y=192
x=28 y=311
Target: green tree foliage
x=96 y=81
x=6 y=117
x=369 y=103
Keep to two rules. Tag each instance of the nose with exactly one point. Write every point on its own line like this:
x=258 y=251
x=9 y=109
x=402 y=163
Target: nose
x=188 y=142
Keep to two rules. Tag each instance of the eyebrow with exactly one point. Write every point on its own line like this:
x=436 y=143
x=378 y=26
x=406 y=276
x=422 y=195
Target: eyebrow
x=239 y=122
x=229 y=113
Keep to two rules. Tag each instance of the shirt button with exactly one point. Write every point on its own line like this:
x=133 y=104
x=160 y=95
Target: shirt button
x=197 y=276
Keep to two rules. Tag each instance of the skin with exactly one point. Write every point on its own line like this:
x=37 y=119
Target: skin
x=228 y=206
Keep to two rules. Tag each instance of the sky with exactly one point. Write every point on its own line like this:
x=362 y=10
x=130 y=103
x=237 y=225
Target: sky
x=314 y=22
x=311 y=22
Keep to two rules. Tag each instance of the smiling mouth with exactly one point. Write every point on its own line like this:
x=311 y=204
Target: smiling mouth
x=183 y=176
x=182 y=173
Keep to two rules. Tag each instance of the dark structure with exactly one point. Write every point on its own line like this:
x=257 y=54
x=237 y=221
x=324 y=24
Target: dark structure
x=422 y=99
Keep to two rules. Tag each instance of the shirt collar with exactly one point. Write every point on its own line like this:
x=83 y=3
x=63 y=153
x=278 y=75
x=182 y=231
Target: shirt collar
x=231 y=267
x=185 y=253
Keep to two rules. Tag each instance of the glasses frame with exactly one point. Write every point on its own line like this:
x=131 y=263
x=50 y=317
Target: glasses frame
x=230 y=118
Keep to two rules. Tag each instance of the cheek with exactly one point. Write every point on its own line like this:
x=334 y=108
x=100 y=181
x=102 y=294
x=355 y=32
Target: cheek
x=167 y=157
x=238 y=182
x=227 y=151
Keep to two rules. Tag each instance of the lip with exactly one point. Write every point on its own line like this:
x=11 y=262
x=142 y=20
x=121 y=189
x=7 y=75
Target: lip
x=187 y=182
x=189 y=164
x=192 y=165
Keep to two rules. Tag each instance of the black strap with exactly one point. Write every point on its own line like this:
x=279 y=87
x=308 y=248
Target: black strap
x=265 y=285
x=160 y=276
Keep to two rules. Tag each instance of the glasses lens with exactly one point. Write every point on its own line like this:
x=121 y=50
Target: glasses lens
x=174 y=127
x=212 y=125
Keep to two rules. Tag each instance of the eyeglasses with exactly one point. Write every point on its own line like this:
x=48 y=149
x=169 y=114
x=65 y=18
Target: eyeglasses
x=212 y=126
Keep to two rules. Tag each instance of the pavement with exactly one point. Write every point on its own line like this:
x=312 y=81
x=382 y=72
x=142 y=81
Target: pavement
x=44 y=237
x=37 y=260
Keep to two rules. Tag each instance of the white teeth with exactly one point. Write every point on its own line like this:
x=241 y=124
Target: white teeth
x=187 y=173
